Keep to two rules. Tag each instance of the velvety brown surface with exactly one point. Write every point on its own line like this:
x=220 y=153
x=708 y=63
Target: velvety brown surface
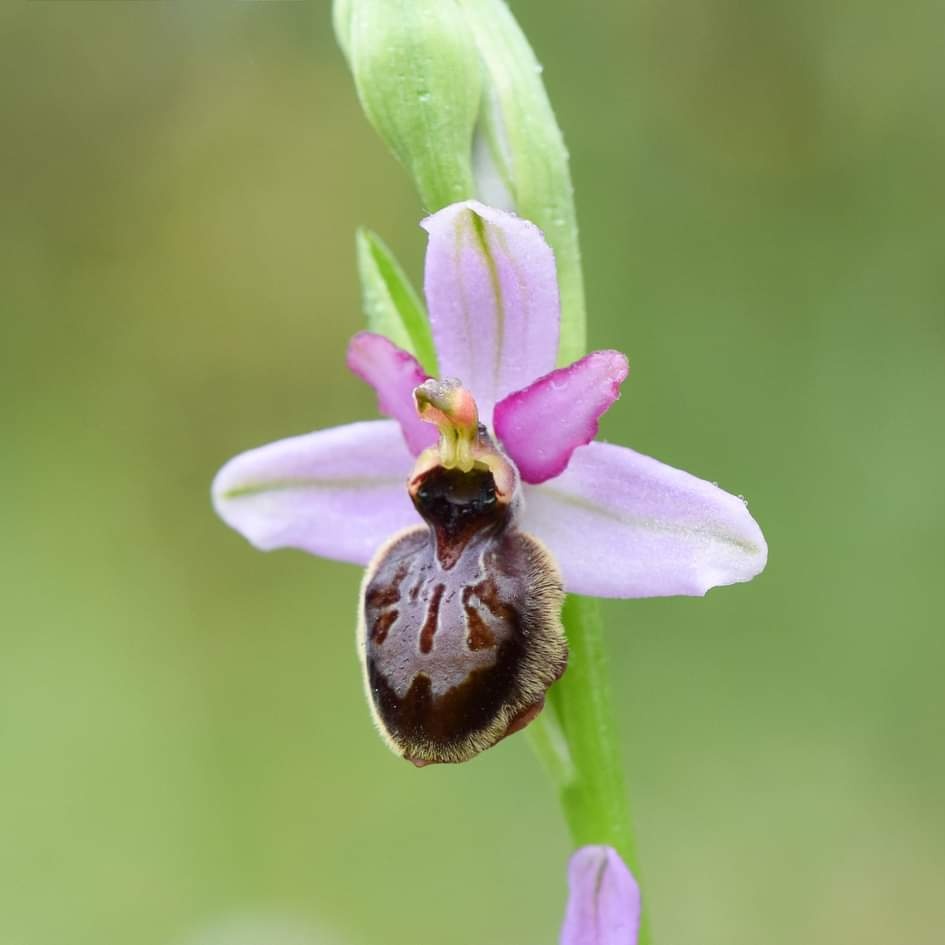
x=449 y=615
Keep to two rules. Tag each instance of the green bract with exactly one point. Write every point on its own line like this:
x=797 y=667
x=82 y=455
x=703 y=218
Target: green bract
x=455 y=90
x=390 y=302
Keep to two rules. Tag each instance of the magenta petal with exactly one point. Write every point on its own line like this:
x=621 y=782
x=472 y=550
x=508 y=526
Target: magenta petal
x=621 y=524
x=604 y=900
x=542 y=425
x=338 y=493
x=393 y=373
x=492 y=293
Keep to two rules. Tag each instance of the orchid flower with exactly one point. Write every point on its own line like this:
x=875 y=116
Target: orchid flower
x=596 y=519
x=603 y=902
x=619 y=524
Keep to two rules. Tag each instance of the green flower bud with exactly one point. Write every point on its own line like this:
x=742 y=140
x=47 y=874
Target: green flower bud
x=419 y=78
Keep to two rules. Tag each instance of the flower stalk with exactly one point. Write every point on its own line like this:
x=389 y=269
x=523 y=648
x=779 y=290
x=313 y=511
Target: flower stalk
x=575 y=739
x=595 y=798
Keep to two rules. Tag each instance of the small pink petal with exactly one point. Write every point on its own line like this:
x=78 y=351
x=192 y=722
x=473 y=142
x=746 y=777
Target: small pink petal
x=542 y=425
x=393 y=373
x=603 y=902
x=492 y=293
x=621 y=524
x=339 y=493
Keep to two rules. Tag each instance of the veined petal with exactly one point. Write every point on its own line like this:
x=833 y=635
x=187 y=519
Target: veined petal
x=393 y=373
x=542 y=425
x=604 y=900
x=621 y=524
x=492 y=295
x=338 y=493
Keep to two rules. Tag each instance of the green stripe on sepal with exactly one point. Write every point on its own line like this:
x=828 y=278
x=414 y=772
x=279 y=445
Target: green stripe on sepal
x=391 y=304
x=419 y=79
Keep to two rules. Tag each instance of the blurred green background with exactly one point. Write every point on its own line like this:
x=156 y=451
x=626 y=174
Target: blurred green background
x=185 y=754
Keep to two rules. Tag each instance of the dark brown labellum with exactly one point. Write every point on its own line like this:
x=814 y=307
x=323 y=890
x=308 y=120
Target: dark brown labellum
x=460 y=626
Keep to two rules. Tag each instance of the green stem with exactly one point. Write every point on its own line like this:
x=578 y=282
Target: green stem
x=578 y=742
x=595 y=801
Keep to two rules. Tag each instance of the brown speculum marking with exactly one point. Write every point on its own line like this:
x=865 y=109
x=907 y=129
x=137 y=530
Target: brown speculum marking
x=464 y=620
x=382 y=624
x=480 y=637
x=389 y=594
x=432 y=618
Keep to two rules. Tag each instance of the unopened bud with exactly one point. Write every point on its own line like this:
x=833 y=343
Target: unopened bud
x=418 y=76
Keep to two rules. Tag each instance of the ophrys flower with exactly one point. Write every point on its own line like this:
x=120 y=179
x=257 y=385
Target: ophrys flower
x=515 y=441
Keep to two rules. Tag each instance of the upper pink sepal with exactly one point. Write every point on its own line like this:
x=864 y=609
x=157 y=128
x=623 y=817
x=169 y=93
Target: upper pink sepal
x=492 y=294
x=393 y=373
x=542 y=425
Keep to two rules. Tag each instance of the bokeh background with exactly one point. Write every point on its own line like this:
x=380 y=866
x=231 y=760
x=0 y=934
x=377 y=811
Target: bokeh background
x=185 y=754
